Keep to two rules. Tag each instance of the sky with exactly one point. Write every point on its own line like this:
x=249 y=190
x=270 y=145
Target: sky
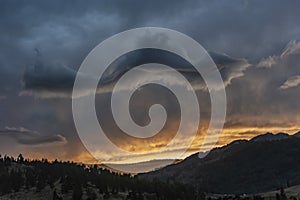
x=255 y=44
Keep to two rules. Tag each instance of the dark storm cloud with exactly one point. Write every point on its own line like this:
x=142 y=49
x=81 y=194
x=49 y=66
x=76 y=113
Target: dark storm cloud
x=57 y=81
x=267 y=94
x=246 y=29
x=48 y=81
x=30 y=137
x=255 y=31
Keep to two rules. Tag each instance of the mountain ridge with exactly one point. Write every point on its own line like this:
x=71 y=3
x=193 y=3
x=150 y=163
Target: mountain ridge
x=263 y=163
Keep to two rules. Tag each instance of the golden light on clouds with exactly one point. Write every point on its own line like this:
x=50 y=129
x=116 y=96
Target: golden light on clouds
x=152 y=150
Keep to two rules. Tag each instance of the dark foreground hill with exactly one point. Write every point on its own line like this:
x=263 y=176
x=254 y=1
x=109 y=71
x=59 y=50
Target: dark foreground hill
x=265 y=163
x=40 y=179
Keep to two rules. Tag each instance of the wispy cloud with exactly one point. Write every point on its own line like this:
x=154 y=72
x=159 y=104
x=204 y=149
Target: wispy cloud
x=267 y=62
x=292 y=48
x=31 y=137
x=293 y=81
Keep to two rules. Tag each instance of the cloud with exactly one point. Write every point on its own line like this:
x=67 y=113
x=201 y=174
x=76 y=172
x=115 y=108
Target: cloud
x=293 y=81
x=66 y=33
x=267 y=62
x=292 y=48
x=261 y=97
x=57 y=81
x=30 y=137
x=54 y=81
x=230 y=68
x=287 y=61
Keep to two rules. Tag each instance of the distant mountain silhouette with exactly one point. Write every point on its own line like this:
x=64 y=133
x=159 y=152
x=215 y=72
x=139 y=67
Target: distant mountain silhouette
x=297 y=134
x=140 y=167
x=271 y=136
x=264 y=163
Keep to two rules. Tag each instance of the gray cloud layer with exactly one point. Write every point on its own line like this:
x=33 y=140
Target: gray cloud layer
x=255 y=31
x=30 y=137
x=57 y=81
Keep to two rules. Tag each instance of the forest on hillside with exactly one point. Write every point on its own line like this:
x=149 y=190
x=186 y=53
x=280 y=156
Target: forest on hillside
x=69 y=180
x=57 y=180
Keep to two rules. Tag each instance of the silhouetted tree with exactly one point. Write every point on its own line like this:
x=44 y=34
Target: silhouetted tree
x=20 y=158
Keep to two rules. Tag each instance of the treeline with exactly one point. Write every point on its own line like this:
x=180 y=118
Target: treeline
x=22 y=174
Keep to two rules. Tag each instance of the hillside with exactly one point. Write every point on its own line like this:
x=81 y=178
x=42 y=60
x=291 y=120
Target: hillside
x=260 y=166
x=40 y=179
x=265 y=163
